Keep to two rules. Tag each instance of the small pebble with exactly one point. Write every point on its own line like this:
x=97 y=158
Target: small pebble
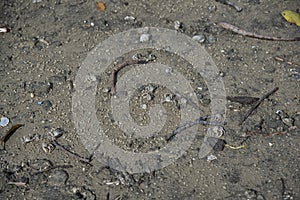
x=129 y=18
x=178 y=25
x=144 y=106
x=4 y=121
x=211 y=158
x=168 y=98
x=149 y=88
x=58 y=132
x=199 y=38
x=145 y=37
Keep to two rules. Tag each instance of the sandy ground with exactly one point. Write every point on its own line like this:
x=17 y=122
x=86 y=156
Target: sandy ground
x=40 y=58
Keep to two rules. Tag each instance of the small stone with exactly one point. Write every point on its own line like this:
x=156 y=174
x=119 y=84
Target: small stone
x=145 y=37
x=144 y=106
x=129 y=18
x=168 y=97
x=199 y=38
x=150 y=88
x=211 y=158
x=58 y=132
x=148 y=97
x=211 y=39
x=178 y=25
x=4 y=121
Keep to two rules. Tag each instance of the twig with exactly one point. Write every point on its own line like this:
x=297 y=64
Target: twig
x=17 y=183
x=202 y=121
x=265 y=134
x=121 y=66
x=254 y=35
x=9 y=133
x=70 y=153
x=287 y=62
x=249 y=112
x=226 y=2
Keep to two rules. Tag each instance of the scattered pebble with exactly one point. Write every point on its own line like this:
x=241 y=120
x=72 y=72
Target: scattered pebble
x=211 y=158
x=4 y=121
x=29 y=138
x=129 y=18
x=145 y=37
x=150 y=88
x=58 y=132
x=199 y=38
x=178 y=25
x=144 y=106
x=169 y=97
x=47 y=148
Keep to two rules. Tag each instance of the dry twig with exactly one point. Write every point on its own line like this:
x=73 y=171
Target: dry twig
x=121 y=66
x=254 y=35
x=70 y=153
x=249 y=112
x=287 y=62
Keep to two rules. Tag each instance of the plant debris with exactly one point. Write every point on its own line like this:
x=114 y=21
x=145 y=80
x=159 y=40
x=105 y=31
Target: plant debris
x=249 y=112
x=237 y=30
x=10 y=132
x=100 y=6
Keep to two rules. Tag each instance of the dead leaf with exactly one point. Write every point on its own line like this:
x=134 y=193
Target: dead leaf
x=100 y=6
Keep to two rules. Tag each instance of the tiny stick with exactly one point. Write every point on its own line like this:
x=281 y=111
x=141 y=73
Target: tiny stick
x=250 y=111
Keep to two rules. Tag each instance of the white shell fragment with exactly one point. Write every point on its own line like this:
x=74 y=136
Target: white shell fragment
x=145 y=37
x=4 y=121
x=129 y=18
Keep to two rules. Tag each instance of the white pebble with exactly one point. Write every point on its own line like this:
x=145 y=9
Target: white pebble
x=144 y=106
x=4 y=121
x=199 y=38
x=145 y=37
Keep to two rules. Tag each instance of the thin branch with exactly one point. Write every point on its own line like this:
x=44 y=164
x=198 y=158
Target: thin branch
x=250 y=111
x=119 y=67
x=254 y=35
x=70 y=153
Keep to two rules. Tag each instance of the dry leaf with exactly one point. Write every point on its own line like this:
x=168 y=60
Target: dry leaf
x=100 y=6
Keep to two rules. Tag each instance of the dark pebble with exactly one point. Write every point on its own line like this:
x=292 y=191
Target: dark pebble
x=216 y=143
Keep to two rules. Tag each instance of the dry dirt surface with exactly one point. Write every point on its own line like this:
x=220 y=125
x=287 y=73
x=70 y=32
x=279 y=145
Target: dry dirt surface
x=44 y=48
